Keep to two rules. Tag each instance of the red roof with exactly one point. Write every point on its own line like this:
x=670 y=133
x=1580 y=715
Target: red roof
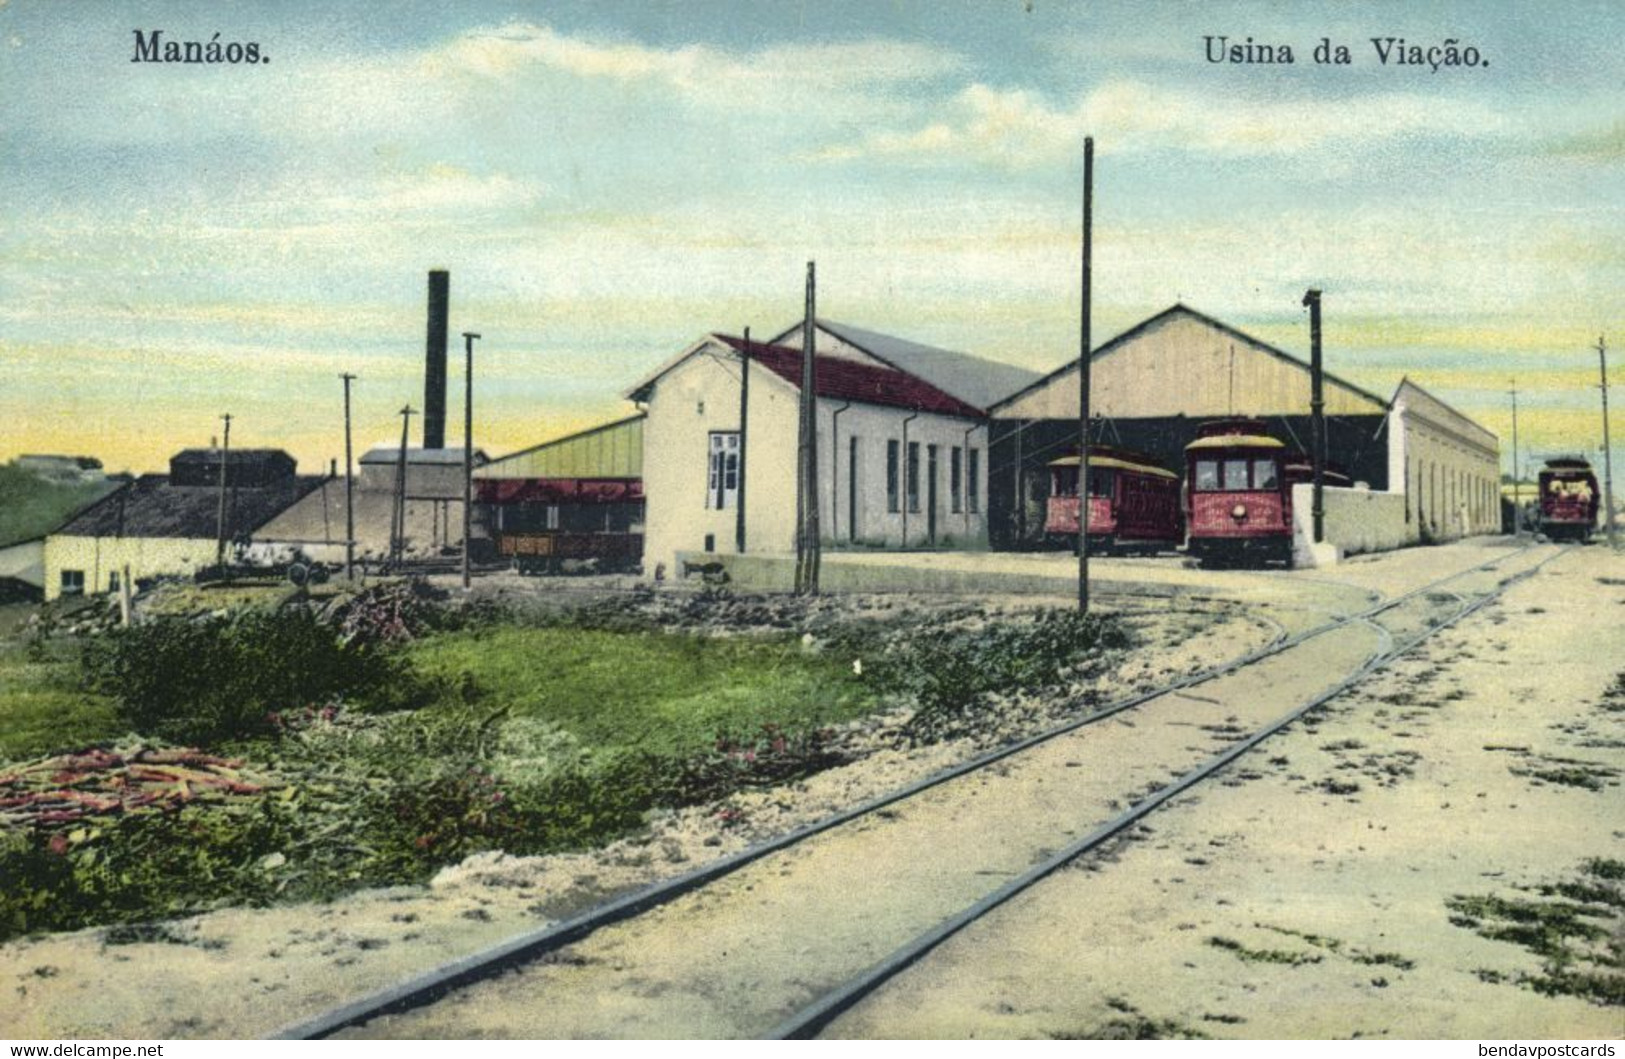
x=850 y=380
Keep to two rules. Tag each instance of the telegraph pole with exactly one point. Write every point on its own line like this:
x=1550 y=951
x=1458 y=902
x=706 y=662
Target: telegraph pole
x=397 y=522
x=468 y=456
x=220 y=520
x=744 y=420
x=1317 y=415
x=349 y=487
x=1517 y=489
x=1607 y=450
x=807 y=558
x=1083 y=374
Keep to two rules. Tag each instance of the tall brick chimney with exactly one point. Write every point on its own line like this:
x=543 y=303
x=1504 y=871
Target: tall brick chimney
x=434 y=373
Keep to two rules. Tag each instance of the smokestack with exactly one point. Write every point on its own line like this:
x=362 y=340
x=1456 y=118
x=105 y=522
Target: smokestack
x=434 y=374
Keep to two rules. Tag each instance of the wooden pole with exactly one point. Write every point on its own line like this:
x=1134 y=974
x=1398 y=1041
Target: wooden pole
x=807 y=557
x=744 y=425
x=397 y=523
x=468 y=458
x=349 y=487
x=1517 y=493
x=220 y=518
x=1607 y=450
x=1317 y=415
x=1084 y=342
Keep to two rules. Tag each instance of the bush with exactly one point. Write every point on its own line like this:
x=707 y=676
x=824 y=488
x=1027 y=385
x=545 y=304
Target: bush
x=771 y=757
x=142 y=866
x=950 y=672
x=200 y=679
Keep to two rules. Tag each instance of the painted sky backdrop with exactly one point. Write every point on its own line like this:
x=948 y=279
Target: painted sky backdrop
x=607 y=181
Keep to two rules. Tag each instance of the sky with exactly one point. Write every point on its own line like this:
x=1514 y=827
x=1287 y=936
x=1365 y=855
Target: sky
x=608 y=181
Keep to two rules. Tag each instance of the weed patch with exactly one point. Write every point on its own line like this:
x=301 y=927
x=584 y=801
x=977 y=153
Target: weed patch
x=1575 y=926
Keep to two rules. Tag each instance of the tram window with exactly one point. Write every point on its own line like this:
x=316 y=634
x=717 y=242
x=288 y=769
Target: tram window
x=1235 y=474
x=1100 y=482
x=1264 y=474
x=1065 y=481
x=1207 y=475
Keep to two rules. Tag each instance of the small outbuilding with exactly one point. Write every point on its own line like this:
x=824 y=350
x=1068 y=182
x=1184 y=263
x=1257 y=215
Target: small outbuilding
x=170 y=524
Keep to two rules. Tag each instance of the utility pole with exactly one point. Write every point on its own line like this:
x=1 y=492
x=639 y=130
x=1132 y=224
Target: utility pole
x=744 y=421
x=220 y=519
x=1607 y=450
x=1084 y=343
x=807 y=557
x=1517 y=489
x=349 y=487
x=1317 y=415
x=397 y=521
x=468 y=456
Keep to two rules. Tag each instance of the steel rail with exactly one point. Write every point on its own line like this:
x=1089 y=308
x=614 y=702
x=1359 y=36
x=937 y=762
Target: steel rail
x=429 y=986
x=814 y=1017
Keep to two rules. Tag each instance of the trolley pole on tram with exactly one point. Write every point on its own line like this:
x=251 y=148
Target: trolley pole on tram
x=1083 y=374
x=1317 y=414
x=1607 y=450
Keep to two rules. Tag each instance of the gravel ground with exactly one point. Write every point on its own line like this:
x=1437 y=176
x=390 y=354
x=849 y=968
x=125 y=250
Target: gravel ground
x=1123 y=948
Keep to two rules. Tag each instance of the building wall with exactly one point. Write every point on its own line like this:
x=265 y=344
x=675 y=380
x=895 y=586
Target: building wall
x=702 y=395
x=1448 y=467
x=315 y=525
x=696 y=397
x=438 y=480
x=1355 y=520
x=1185 y=366
x=100 y=558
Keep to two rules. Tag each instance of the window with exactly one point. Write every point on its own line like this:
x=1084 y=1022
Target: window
x=1264 y=474
x=891 y=476
x=722 y=481
x=1207 y=476
x=552 y=516
x=1235 y=475
x=1102 y=480
x=914 y=476
x=73 y=582
x=956 y=460
x=973 y=481
x=112 y=581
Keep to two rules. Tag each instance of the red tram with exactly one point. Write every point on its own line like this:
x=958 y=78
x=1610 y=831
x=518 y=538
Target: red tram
x=1238 y=493
x=1133 y=503
x=1568 y=499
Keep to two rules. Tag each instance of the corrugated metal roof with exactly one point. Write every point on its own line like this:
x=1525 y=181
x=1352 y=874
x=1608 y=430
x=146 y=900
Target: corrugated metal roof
x=974 y=380
x=609 y=450
x=848 y=380
x=152 y=507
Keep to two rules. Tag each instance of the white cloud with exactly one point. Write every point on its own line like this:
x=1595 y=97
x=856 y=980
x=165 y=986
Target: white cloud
x=1018 y=128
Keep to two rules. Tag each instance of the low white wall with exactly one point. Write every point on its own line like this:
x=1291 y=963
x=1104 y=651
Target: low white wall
x=1357 y=520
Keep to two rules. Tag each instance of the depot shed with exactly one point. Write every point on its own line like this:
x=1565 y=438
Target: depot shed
x=1423 y=470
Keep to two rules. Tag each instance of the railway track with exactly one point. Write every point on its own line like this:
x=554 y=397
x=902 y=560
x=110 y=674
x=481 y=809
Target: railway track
x=1349 y=648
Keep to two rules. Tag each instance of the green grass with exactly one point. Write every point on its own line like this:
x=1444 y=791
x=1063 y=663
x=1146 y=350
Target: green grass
x=42 y=708
x=661 y=693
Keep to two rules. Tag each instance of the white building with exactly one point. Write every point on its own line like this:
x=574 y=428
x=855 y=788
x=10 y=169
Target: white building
x=901 y=462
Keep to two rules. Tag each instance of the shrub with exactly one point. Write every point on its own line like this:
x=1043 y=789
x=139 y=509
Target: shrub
x=950 y=672
x=772 y=756
x=220 y=676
